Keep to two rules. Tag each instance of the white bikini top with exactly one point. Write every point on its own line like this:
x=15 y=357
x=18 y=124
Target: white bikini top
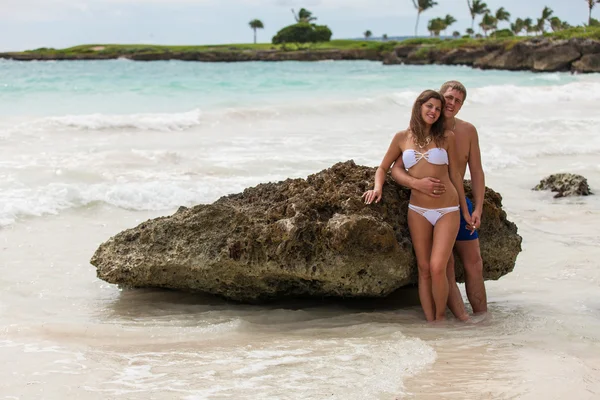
x=436 y=155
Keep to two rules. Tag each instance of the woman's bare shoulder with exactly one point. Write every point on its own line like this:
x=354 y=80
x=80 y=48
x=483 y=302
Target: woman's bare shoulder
x=402 y=135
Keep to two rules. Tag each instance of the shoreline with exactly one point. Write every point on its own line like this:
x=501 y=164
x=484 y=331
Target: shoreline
x=538 y=54
x=76 y=336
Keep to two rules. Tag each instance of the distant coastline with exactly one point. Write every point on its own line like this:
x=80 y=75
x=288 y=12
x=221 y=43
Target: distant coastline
x=541 y=54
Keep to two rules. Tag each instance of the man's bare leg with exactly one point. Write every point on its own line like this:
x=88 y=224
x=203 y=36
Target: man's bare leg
x=470 y=255
x=455 y=300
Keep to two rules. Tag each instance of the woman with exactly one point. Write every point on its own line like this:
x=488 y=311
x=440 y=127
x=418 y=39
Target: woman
x=428 y=150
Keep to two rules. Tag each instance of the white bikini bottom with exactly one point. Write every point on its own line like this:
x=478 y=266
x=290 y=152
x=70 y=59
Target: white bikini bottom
x=433 y=214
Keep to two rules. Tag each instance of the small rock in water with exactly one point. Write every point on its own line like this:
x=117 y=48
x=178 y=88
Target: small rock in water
x=565 y=185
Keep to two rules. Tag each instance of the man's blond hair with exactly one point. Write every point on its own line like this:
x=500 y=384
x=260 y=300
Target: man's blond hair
x=456 y=85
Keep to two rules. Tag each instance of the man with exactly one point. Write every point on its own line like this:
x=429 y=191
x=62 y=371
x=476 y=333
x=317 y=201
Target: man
x=467 y=241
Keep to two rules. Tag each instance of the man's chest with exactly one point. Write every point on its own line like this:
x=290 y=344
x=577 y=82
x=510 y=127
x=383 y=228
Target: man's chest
x=463 y=147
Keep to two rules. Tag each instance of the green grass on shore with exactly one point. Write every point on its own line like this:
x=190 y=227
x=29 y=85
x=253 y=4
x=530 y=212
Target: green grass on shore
x=115 y=50
x=128 y=49
x=579 y=32
x=448 y=44
x=582 y=32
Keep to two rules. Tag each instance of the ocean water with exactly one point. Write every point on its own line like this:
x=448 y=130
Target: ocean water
x=90 y=148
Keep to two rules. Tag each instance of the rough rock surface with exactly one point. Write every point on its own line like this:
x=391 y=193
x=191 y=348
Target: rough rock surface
x=214 y=56
x=299 y=237
x=565 y=185
x=519 y=57
x=536 y=54
x=555 y=57
x=587 y=63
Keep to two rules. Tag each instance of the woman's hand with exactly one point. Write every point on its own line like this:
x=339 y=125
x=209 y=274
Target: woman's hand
x=372 y=195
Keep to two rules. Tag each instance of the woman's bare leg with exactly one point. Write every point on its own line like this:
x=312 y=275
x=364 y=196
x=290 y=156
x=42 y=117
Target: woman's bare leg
x=421 y=233
x=444 y=236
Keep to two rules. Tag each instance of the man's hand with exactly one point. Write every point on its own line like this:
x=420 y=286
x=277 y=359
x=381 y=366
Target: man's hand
x=430 y=186
x=475 y=219
x=469 y=220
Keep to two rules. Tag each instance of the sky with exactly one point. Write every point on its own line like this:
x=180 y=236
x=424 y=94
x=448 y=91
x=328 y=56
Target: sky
x=30 y=24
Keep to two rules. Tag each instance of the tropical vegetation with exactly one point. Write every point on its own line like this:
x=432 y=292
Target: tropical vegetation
x=477 y=7
x=303 y=16
x=489 y=21
x=591 y=4
x=256 y=24
x=303 y=31
x=421 y=6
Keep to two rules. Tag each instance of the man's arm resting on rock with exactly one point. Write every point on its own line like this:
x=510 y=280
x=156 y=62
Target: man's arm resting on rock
x=424 y=185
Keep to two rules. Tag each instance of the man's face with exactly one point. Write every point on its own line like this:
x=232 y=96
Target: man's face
x=454 y=102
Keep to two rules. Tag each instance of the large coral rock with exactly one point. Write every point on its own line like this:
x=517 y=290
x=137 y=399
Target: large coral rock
x=565 y=185
x=299 y=237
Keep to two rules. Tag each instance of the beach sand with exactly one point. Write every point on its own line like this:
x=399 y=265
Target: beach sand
x=88 y=147
x=540 y=339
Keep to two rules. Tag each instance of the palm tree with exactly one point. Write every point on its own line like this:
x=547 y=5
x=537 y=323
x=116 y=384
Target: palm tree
x=384 y=36
x=303 y=15
x=368 y=34
x=517 y=26
x=470 y=32
x=456 y=34
x=546 y=14
x=422 y=5
x=540 y=26
x=435 y=26
x=256 y=24
x=502 y=15
x=448 y=20
x=477 y=7
x=488 y=23
x=527 y=24
x=591 y=4
x=556 y=24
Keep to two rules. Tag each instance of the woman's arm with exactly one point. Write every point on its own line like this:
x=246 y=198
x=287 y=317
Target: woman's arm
x=391 y=155
x=456 y=178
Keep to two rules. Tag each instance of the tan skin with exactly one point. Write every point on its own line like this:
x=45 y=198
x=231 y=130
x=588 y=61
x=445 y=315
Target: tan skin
x=432 y=245
x=468 y=153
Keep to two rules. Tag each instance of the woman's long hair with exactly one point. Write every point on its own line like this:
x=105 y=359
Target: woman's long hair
x=417 y=124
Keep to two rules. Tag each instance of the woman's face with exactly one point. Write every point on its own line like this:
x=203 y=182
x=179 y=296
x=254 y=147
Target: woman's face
x=431 y=110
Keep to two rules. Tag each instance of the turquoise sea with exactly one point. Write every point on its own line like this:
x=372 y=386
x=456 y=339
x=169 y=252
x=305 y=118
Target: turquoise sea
x=122 y=86
x=88 y=149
